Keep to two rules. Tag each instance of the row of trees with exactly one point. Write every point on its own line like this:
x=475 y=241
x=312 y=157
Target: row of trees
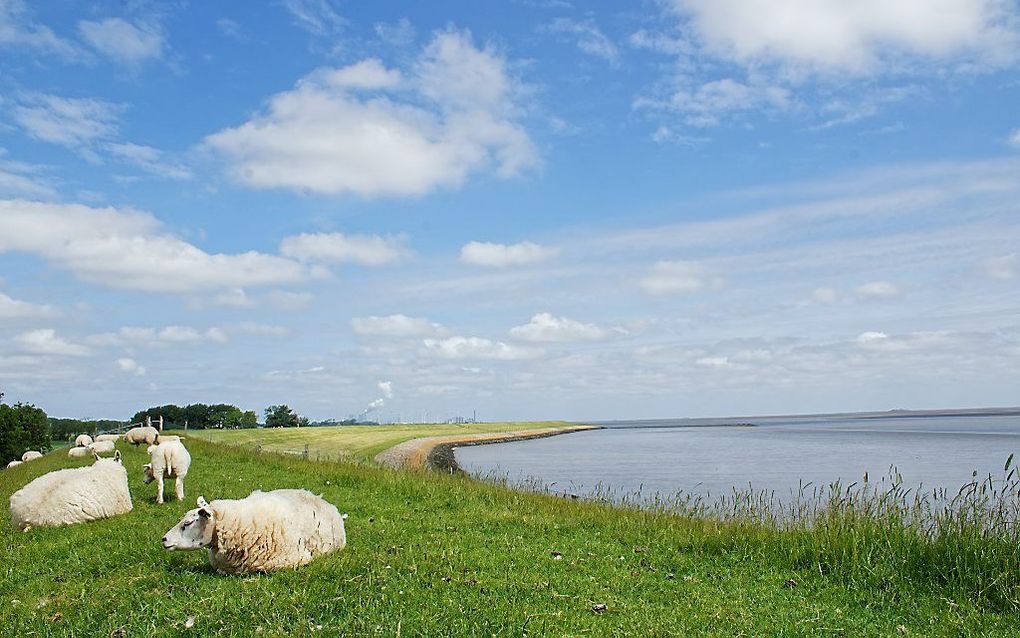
x=63 y=429
x=22 y=427
x=200 y=416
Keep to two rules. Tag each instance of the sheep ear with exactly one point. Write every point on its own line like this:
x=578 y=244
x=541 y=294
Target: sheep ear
x=202 y=502
x=116 y=456
x=95 y=454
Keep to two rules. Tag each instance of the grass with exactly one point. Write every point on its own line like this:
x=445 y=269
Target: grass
x=436 y=555
x=358 y=441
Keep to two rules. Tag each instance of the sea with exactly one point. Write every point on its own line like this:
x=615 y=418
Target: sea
x=783 y=455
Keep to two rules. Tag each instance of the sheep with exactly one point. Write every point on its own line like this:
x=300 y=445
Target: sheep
x=74 y=495
x=264 y=532
x=169 y=459
x=139 y=435
x=31 y=455
x=82 y=440
x=106 y=437
x=79 y=452
x=102 y=447
x=14 y=464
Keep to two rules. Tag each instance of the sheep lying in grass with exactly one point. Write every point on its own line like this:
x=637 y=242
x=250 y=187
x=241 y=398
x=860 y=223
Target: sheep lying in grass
x=75 y=495
x=106 y=437
x=31 y=455
x=79 y=452
x=139 y=435
x=102 y=447
x=266 y=531
x=14 y=464
x=83 y=440
x=169 y=459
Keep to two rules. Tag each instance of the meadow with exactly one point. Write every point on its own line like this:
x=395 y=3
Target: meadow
x=435 y=555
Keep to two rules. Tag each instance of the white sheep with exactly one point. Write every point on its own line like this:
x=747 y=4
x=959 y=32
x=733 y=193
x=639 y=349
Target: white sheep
x=75 y=495
x=169 y=459
x=83 y=440
x=264 y=532
x=139 y=435
x=14 y=464
x=31 y=455
x=79 y=452
x=106 y=437
x=102 y=447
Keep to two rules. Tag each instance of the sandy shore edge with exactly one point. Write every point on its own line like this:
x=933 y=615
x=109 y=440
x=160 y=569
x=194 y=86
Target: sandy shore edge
x=437 y=452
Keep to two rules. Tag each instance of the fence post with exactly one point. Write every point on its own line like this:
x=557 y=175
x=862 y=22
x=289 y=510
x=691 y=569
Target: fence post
x=305 y=455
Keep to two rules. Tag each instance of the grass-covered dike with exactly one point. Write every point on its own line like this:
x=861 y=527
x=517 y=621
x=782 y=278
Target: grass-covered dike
x=431 y=554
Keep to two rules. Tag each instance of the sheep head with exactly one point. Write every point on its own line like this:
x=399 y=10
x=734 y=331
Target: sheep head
x=195 y=530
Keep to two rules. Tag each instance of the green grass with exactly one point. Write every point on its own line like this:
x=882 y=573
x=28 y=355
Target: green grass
x=359 y=441
x=438 y=555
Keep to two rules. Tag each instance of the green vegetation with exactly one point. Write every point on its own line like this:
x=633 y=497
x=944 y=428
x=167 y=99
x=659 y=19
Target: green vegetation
x=198 y=416
x=22 y=427
x=432 y=555
x=281 y=416
x=359 y=441
x=64 y=429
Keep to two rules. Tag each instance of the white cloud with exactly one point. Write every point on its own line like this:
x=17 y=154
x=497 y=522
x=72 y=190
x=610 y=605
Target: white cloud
x=478 y=348
x=588 y=37
x=713 y=362
x=263 y=329
x=46 y=341
x=835 y=36
x=386 y=387
x=149 y=159
x=123 y=41
x=707 y=104
x=361 y=130
x=544 y=327
x=871 y=337
x=159 y=337
x=678 y=277
x=129 y=365
x=72 y=122
x=21 y=179
x=289 y=300
x=397 y=326
x=825 y=295
x=526 y=253
x=367 y=250
x=234 y=298
x=1003 y=268
x=16 y=309
x=878 y=290
x=19 y=31
x=315 y=16
x=187 y=334
x=129 y=250
x=1014 y=138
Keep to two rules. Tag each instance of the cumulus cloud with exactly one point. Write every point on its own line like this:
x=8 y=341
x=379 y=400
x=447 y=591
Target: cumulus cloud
x=16 y=309
x=371 y=131
x=367 y=250
x=159 y=337
x=878 y=290
x=129 y=250
x=397 y=325
x=386 y=387
x=544 y=327
x=46 y=341
x=479 y=348
x=130 y=366
x=526 y=253
x=263 y=329
x=130 y=43
x=588 y=37
x=1003 y=268
x=678 y=277
x=72 y=122
x=149 y=159
x=859 y=37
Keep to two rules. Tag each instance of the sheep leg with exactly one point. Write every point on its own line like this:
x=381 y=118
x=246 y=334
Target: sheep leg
x=179 y=488
x=159 y=488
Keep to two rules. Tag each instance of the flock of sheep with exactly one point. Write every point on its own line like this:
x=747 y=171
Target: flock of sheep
x=264 y=532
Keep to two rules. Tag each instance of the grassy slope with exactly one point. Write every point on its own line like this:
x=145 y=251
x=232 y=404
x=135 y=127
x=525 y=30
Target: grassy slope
x=361 y=441
x=440 y=555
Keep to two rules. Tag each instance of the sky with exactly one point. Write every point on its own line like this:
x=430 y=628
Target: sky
x=527 y=209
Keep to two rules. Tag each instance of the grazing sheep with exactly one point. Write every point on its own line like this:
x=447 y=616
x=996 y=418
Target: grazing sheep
x=31 y=455
x=168 y=437
x=79 y=452
x=14 y=464
x=83 y=440
x=169 y=459
x=139 y=435
x=75 y=495
x=102 y=447
x=264 y=532
x=106 y=437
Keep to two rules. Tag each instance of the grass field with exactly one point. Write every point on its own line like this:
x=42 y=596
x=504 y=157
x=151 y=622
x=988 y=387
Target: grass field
x=439 y=555
x=357 y=441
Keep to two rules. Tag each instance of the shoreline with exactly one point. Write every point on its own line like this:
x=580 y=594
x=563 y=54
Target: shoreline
x=437 y=452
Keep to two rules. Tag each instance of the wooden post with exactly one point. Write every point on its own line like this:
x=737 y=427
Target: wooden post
x=148 y=421
x=161 y=423
x=305 y=455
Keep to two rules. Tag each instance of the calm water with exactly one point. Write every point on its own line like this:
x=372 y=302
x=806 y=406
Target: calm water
x=777 y=454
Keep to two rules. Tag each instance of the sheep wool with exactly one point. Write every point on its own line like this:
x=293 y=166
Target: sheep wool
x=102 y=447
x=168 y=459
x=139 y=435
x=14 y=464
x=83 y=440
x=264 y=532
x=107 y=437
x=75 y=495
x=31 y=455
x=79 y=452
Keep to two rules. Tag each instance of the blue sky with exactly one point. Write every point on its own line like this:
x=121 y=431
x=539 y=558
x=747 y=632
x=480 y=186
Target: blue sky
x=532 y=209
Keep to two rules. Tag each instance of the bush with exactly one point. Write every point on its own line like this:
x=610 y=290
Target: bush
x=22 y=427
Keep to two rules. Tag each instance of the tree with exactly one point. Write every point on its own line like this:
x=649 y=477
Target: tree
x=22 y=427
x=281 y=416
